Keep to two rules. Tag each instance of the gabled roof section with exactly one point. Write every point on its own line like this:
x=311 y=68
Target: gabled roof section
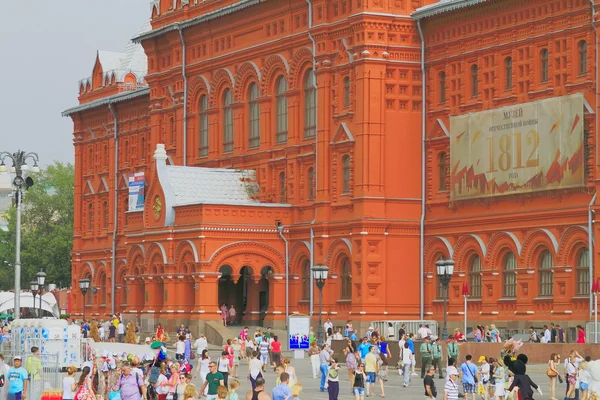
x=442 y=6
x=342 y=134
x=117 y=98
x=193 y=185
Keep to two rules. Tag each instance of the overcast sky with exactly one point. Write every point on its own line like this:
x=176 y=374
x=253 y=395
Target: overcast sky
x=46 y=47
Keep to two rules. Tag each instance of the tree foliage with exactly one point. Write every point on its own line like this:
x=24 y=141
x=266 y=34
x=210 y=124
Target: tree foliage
x=46 y=230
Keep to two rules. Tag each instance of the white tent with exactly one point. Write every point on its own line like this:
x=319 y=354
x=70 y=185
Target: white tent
x=49 y=304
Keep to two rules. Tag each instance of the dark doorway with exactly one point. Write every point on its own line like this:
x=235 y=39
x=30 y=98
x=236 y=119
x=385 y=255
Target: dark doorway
x=263 y=294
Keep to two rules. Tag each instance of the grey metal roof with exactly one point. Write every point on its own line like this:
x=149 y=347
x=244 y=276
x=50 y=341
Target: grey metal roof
x=240 y=5
x=115 y=98
x=441 y=7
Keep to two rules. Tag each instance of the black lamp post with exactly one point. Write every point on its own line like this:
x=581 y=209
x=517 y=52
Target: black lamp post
x=41 y=280
x=445 y=269
x=320 y=276
x=33 y=285
x=84 y=285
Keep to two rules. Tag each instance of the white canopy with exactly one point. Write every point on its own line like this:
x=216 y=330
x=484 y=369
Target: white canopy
x=49 y=304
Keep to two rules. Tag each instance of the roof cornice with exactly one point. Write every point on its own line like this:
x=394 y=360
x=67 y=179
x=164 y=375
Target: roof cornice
x=221 y=12
x=115 y=98
x=442 y=7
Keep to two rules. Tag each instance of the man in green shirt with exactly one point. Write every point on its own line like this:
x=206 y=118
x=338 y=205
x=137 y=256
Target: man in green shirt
x=437 y=353
x=452 y=349
x=214 y=379
x=425 y=356
x=34 y=369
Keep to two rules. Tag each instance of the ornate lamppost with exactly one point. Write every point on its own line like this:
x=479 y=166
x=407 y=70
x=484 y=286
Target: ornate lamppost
x=84 y=285
x=445 y=269
x=19 y=161
x=41 y=280
x=320 y=276
x=33 y=285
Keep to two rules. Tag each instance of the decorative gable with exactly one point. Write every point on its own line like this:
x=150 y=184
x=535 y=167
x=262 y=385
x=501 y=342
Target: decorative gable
x=88 y=188
x=103 y=186
x=342 y=135
x=124 y=182
x=438 y=130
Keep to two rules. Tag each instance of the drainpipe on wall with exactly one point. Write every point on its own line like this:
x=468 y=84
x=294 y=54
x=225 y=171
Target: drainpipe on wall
x=287 y=271
x=116 y=210
x=316 y=177
x=185 y=94
x=591 y=248
x=422 y=221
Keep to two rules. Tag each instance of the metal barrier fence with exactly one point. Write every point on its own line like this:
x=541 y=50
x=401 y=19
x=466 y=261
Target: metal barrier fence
x=45 y=372
x=411 y=326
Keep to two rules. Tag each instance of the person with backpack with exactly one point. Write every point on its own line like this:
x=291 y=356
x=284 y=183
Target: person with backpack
x=84 y=386
x=131 y=385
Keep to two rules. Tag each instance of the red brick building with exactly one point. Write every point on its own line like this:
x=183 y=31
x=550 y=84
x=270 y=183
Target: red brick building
x=310 y=116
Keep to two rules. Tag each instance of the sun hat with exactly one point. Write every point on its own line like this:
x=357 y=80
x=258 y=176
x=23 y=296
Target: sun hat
x=481 y=359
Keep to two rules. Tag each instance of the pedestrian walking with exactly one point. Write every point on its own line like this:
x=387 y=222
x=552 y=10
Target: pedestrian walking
x=406 y=358
x=436 y=356
x=429 y=384
x=553 y=373
x=469 y=372
x=451 y=386
x=68 y=384
x=359 y=382
x=352 y=360
x=223 y=366
x=18 y=379
x=371 y=371
x=324 y=360
x=485 y=375
x=121 y=332
x=333 y=380
x=131 y=385
x=282 y=390
x=224 y=315
x=214 y=379
x=452 y=349
x=381 y=375
x=255 y=369
x=180 y=349
x=499 y=380
x=426 y=356
x=258 y=391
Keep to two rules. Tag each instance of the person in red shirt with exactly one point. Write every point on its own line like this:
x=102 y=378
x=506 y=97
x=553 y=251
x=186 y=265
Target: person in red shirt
x=275 y=352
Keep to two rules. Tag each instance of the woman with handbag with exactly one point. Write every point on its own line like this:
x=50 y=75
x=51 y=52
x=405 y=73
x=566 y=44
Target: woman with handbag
x=552 y=373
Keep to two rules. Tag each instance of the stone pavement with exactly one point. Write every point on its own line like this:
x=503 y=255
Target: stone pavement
x=393 y=387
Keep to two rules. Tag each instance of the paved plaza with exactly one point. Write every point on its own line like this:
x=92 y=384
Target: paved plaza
x=393 y=387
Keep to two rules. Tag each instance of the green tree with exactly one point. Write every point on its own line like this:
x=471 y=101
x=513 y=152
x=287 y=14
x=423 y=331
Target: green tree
x=46 y=230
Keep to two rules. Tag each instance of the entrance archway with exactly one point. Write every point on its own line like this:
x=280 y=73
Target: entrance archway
x=227 y=290
x=263 y=292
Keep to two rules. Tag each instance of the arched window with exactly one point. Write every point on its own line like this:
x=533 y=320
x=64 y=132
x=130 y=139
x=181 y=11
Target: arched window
x=106 y=155
x=282 y=187
x=582 y=47
x=143 y=148
x=227 y=122
x=91 y=157
x=475 y=275
x=90 y=217
x=545 y=272
x=105 y=215
x=583 y=271
x=172 y=129
x=310 y=104
x=442 y=166
x=442 y=88
x=508 y=73
x=544 y=64
x=253 y=116
x=346 y=280
x=346 y=174
x=203 y=127
x=347 y=92
x=102 y=290
x=306 y=280
x=89 y=295
x=126 y=154
x=474 y=80
x=282 y=110
x=509 y=265
x=311 y=183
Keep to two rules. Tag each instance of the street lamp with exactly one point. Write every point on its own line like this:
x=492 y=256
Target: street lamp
x=19 y=161
x=84 y=285
x=445 y=269
x=33 y=285
x=41 y=279
x=320 y=276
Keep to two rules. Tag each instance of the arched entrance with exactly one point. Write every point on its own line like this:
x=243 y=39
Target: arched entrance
x=227 y=289
x=263 y=292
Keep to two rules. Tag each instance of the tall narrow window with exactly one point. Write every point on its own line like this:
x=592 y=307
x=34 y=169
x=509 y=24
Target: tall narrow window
x=203 y=127
x=227 y=122
x=310 y=99
x=582 y=47
x=346 y=280
x=475 y=276
x=544 y=64
x=508 y=70
x=474 y=80
x=282 y=110
x=583 y=272
x=172 y=129
x=143 y=148
x=254 y=116
x=105 y=215
x=545 y=273
x=442 y=166
x=442 y=88
x=126 y=154
x=346 y=174
x=509 y=265
x=306 y=280
x=282 y=187
x=347 y=92
x=90 y=217
x=311 y=183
